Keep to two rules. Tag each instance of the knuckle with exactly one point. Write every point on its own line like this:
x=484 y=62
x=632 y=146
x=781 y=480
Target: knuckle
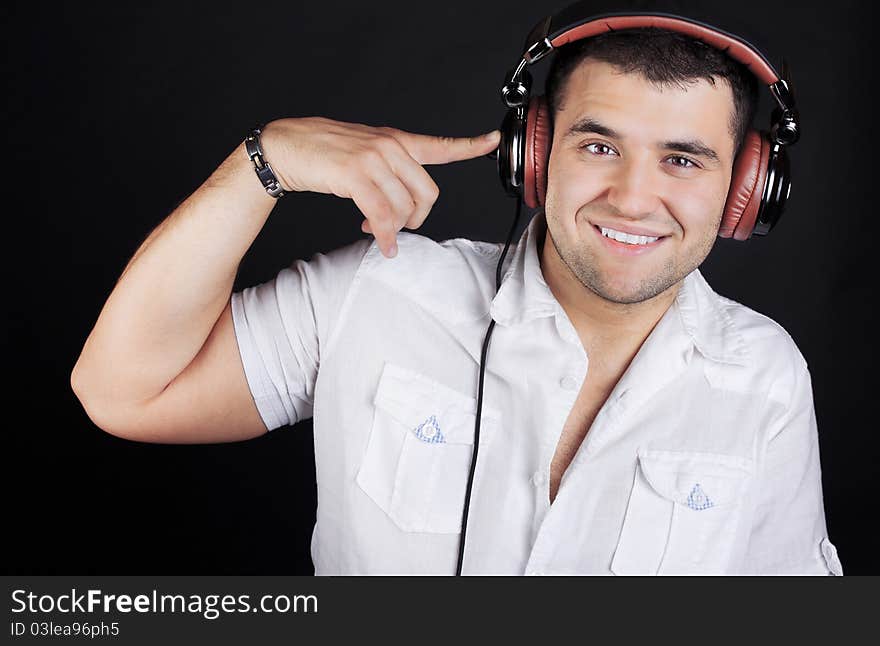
x=417 y=219
x=370 y=156
x=389 y=144
x=387 y=131
x=406 y=210
x=421 y=209
x=427 y=194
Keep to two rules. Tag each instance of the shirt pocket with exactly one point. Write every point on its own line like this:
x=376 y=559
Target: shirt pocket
x=419 y=452
x=682 y=513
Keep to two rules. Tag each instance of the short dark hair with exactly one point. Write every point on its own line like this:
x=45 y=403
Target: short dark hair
x=662 y=57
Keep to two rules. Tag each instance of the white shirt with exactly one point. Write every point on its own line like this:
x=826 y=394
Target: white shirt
x=703 y=460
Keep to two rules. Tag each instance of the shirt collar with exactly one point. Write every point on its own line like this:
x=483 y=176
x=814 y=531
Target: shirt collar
x=524 y=295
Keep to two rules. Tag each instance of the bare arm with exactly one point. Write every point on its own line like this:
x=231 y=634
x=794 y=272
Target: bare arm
x=162 y=363
x=169 y=299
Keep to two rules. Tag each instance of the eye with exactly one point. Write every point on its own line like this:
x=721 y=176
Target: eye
x=599 y=149
x=684 y=162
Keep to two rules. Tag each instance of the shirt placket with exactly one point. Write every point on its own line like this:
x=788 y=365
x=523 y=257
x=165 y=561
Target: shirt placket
x=565 y=392
x=551 y=527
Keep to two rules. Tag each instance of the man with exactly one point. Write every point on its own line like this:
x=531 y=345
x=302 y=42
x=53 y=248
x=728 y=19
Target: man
x=633 y=421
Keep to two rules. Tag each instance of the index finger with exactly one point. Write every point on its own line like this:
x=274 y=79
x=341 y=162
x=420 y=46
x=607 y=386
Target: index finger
x=433 y=149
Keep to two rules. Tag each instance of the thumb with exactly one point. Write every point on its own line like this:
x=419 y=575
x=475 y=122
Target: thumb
x=430 y=149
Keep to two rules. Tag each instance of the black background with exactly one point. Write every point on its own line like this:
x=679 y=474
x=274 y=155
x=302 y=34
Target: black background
x=114 y=114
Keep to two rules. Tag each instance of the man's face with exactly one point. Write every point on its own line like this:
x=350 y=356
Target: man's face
x=641 y=160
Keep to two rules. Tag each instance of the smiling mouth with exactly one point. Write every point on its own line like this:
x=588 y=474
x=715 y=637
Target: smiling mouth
x=627 y=243
x=627 y=238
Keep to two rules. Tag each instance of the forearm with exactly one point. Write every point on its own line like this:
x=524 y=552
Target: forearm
x=174 y=289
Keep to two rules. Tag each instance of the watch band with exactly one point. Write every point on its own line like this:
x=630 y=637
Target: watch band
x=261 y=166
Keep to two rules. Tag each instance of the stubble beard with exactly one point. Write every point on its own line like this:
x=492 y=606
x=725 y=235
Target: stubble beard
x=583 y=264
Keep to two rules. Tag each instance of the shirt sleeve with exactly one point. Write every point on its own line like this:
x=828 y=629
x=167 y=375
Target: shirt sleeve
x=281 y=326
x=789 y=534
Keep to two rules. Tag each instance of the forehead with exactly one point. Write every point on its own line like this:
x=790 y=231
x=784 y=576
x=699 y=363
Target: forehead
x=639 y=109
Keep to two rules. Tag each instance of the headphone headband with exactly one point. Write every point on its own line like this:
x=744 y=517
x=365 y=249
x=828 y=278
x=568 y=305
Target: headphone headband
x=735 y=47
x=572 y=24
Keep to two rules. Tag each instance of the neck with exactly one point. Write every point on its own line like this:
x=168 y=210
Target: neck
x=610 y=332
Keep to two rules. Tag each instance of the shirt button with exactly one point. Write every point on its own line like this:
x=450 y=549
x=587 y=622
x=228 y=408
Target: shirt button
x=429 y=431
x=568 y=382
x=539 y=478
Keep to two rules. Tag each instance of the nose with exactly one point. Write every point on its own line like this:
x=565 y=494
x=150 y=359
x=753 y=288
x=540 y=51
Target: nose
x=633 y=191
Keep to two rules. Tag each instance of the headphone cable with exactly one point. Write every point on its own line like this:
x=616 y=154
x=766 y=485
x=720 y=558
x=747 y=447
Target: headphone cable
x=483 y=353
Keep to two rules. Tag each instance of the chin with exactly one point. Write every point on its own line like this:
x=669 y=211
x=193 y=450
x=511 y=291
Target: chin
x=628 y=290
x=622 y=296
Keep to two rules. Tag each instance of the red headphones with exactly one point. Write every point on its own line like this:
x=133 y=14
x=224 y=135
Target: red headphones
x=761 y=181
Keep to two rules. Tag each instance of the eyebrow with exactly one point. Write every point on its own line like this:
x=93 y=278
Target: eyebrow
x=690 y=146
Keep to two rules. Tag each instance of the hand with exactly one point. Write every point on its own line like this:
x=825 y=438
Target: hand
x=380 y=168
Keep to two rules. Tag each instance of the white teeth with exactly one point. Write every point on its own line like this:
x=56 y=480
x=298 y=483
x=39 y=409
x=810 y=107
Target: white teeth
x=626 y=237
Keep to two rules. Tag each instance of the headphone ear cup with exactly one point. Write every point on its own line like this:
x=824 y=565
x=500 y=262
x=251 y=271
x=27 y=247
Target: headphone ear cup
x=746 y=187
x=537 y=152
x=511 y=135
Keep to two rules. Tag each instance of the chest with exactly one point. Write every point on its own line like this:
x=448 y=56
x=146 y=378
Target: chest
x=591 y=397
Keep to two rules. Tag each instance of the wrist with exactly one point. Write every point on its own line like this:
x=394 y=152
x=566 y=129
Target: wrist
x=275 y=140
x=261 y=165
x=242 y=169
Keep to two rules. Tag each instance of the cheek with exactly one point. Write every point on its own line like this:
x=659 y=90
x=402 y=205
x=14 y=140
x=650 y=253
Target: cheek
x=570 y=186
x=700 y=207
